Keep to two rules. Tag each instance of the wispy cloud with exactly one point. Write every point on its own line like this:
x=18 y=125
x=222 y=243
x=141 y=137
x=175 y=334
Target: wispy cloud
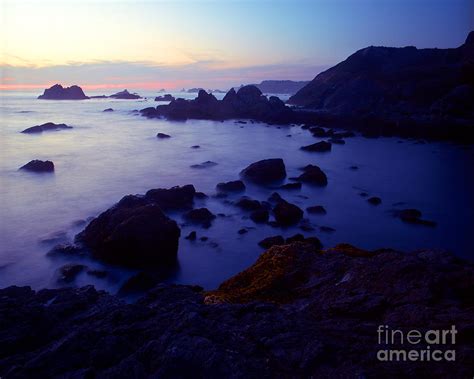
x=208 y=73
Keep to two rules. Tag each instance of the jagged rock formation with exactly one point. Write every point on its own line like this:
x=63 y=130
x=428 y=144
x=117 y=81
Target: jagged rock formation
x=248 y=102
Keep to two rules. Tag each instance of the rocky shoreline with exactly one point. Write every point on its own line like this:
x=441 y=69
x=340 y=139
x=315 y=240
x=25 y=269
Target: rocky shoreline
x=297 y=312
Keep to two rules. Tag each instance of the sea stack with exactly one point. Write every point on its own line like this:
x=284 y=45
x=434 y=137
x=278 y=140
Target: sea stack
x=58 y=92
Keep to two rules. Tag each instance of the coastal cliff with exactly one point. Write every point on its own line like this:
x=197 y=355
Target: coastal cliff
x=399 y=88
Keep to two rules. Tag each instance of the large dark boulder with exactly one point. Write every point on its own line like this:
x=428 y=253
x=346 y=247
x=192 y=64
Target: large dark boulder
x=133 y=234
x=172 y=198
x=38 y=166
x=286 y=213
x=58 y=92
x=49 y=126
x=265 y=171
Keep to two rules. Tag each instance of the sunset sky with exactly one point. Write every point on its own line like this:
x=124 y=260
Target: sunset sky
x=213 y=44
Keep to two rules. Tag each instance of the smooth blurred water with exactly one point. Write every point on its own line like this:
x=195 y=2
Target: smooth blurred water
x=108 y=155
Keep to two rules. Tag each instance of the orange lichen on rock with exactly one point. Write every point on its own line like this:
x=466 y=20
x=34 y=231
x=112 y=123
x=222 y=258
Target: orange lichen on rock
x=350 y=251
x=275 y=277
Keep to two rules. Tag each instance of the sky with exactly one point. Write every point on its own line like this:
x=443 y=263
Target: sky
x=108 y=44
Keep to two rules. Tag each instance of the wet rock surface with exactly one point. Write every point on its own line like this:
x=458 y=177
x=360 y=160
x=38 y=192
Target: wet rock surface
x=297 y=312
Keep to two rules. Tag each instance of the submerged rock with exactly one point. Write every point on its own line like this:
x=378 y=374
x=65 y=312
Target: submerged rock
x=265 y=171
x=200 y=216
x=49 y=126
x=191 y=236
x=316 y=209
x=248 y=204
x=163 y=135
x=413 y=216
x=58 y=92
x=374 y=200
x=318 y=147
x=38 y=166
x=69 y=272
x=206 y=164
x=232 y=186
x=260 y=216
x=290 y=186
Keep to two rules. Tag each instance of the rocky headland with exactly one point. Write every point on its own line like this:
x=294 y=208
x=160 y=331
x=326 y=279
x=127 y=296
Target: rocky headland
x=397 y=91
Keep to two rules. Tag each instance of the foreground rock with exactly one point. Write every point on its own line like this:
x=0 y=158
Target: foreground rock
x=133 y=234
x=404 y=91
x=265 y=171
x=297 y=312
x=58 y=92
x=38 y=166
x=247 y=103
x=49 y=126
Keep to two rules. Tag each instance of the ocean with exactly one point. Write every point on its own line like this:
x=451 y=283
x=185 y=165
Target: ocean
x=108 y=155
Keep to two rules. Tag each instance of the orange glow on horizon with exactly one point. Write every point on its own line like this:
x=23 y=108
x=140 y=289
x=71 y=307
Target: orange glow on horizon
x=169 y=85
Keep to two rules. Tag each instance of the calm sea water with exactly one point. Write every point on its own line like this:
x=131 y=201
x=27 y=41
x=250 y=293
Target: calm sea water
x=108 y=155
